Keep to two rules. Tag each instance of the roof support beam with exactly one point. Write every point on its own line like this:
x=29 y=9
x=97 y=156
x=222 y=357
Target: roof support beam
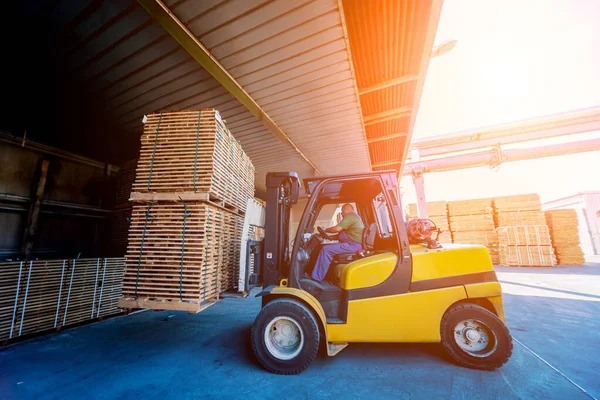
x=387 y=84
x=161 y=13
x=387 y=115
x=387 y=163
x=387 y=137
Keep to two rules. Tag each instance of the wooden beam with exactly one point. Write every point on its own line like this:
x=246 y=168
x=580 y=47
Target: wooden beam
x=387 y=163
x=34 y=212
x=387 y=115
x=387 y=84
x=386 y=137
x=177 y=29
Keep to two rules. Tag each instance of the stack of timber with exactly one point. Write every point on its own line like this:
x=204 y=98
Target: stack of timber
x=523 y=235
x=438 y=213
x=38 y=296
x=564 y=232
x=472 y=222
x=192 y=155
x=191 y=189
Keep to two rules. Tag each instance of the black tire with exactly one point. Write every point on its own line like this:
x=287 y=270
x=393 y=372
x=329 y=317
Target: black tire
x=298 y=312
x=499 y=344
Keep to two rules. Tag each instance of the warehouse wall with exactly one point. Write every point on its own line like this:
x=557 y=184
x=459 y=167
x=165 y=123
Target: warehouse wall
x=75 y=206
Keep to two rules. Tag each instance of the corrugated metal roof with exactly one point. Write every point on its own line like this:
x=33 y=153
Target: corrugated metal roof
x=390 y=42
x=291 y=57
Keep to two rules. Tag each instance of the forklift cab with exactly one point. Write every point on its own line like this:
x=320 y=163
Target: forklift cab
x=389 y=291
x=381 y=267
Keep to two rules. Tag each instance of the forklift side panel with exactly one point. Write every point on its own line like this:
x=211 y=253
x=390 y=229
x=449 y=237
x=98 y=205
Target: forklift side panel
x=412 y=317
x=451 y=260
x=369 y=271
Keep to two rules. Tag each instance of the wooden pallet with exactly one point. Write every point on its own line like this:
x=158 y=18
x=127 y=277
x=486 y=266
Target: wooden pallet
x=564 y=231
x=165 y=304
x=524 y=235
x=523 y=202
x=194 y=152
x=527 y=256
x=158 y=269
x=42 y=295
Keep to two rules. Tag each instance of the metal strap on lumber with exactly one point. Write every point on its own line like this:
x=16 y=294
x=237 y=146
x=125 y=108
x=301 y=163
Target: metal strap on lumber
x=154 y=151
x=25 y=299
x=196 y=156
x=219 y=249
x=137 y=276
x=62 y=275
x=95 y=286
x=206 y=249
x=101 y=289
x=16 y=301
x=69 y=292
x=185 y=216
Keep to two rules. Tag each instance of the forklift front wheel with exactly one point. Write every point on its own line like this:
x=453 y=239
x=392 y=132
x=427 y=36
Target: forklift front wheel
x=475 y=338
x=285 y=337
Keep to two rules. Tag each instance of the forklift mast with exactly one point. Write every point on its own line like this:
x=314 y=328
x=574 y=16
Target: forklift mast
x=283 y=190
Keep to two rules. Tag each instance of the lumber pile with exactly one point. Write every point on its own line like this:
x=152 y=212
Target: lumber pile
x=564 y=232
x=438 y=213
x=192 y=155
x=472 y=222
x=523 y=236
x=527 y=256
x=191 y=189
x=194 y=265
x=38 y=296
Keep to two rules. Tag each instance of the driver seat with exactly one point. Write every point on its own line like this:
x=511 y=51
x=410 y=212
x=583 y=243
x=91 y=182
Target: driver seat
x=368 y=244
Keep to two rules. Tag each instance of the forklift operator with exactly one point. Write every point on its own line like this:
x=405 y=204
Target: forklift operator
x=350 y=231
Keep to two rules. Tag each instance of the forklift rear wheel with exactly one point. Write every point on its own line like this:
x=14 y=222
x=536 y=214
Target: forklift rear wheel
x=475 y=338
x=285 y=337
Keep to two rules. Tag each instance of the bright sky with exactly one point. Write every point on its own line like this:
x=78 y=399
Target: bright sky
x=513 y=60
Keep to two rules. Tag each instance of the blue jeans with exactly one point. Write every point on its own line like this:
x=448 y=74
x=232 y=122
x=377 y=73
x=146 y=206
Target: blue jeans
x=329 y=250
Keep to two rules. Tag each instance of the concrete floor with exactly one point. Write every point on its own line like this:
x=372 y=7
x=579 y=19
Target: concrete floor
x=554 y=312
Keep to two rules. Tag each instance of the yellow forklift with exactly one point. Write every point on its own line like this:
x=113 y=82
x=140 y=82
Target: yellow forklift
x=402 y=287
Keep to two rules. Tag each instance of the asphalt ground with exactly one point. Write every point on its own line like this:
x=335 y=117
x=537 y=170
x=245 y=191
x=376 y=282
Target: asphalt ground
x=553 y=315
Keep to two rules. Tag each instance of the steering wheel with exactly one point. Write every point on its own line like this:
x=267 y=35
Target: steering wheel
x=323 y=234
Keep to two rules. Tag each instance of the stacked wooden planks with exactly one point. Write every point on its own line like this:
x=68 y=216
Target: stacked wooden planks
x=472 y=222
x=44 y=295
x=192 y=155
x=564 y=231
x=438 y=213
x=194 y=265
x=192 y=186
x=523 y=235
